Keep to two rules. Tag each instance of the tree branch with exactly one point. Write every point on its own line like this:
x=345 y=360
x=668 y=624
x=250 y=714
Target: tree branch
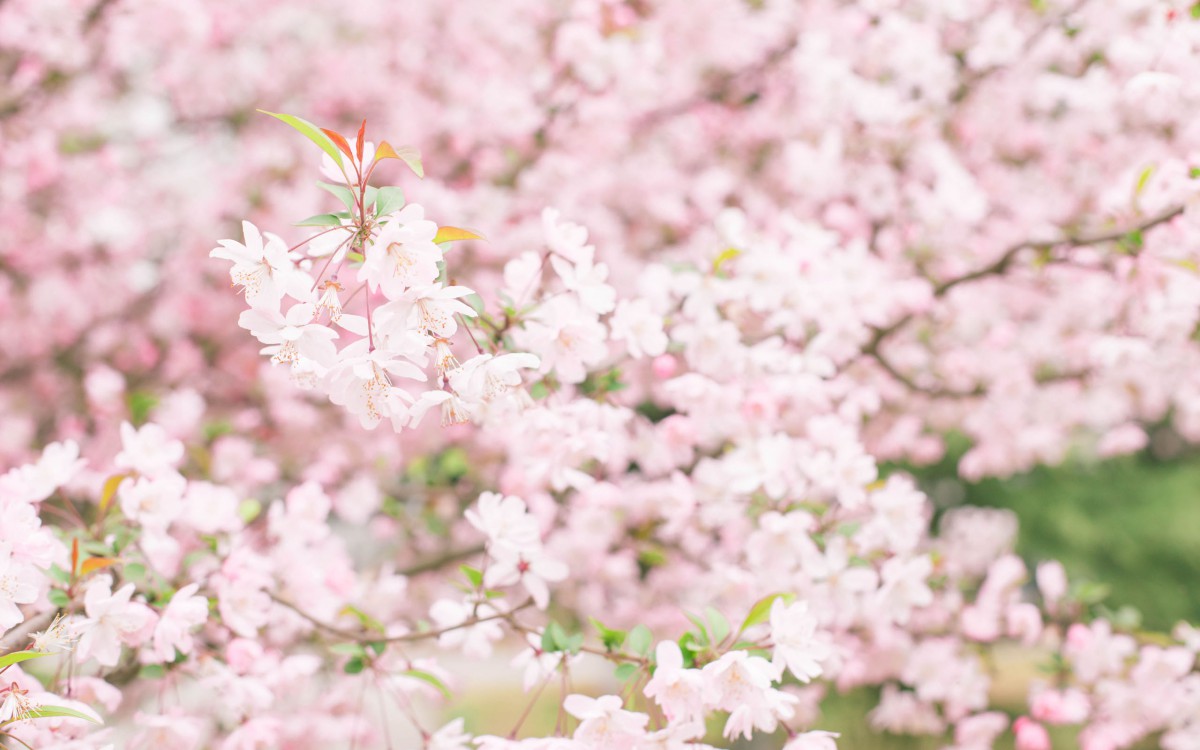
x=360 y=637
x=440 y=561
x=998 y=267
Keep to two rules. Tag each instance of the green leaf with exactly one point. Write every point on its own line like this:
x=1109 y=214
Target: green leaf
x=151 y=671
x=311 y=132
x=719 y=625
x=321 y=220
x=343 y=193
x=429 y=678
x=639 y=640
x=367 y=621
x=625 y=671
x=1195 y=11
x=58 y=598
x=53 y=712
x=612 y=639
x=249 y=510
x=1142 y=180
x=726 y=255
x=59 y=574
x=378 y=647
x=17 y=657
x=347 y=649
x=134 y=572
x=762 y=610
x=689 y=648
x=473 y=575
x=701 y=626
x=354 y=666
x=554 y=638
x=573 y=643
x=388 y=199
x=406 y=154
x=141 y=404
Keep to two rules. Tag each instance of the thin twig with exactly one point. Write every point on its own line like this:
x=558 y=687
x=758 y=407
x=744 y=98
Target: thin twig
x=998 y=267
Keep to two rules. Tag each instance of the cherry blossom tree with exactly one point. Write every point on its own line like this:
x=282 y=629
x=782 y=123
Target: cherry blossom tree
x=742 y=259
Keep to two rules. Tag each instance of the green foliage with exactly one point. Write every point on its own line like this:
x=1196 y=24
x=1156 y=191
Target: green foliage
x=17 y=657
x=430 y=679
x=141 y=404
x=321 y=220
x=600 y=383
x=311 y=132
x=625 y=671
x=387 y=200
x=555 y=639
x=612 y=639
x=52 y=712
x=441 y=469
x=762 y=610
x=343 y=193
x=249 y=510
x=1130 y=523
x=473 y=575
x=639 y=640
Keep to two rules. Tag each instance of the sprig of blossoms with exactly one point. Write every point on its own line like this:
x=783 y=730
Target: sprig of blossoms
x=398 y=358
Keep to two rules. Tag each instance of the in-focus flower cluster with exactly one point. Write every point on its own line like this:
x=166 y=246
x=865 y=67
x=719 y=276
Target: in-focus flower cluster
x=400 y=360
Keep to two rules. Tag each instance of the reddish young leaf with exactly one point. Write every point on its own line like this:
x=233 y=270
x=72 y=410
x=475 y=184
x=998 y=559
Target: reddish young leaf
x=406 y=154
x=362 y=131
x=74 y=557
x=93 y=564
x=337 y=138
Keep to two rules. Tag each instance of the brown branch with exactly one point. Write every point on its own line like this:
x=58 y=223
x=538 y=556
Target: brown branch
x=361 y=637
x=999 y=267
x=1002 y=264
x=441 y=561
x=716 y=93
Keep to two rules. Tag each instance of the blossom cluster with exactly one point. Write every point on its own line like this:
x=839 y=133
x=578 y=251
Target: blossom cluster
x=199 y=593
x=397 y=258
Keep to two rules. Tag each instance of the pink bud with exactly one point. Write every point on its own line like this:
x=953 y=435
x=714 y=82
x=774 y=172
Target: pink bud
x=1052 y=582
x=664 y=366
x=1031 y=735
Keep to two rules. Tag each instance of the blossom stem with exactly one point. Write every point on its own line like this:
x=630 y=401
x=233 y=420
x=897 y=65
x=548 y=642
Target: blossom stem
x=529 y=708
x=358 y=637
x=18 y=739
x=302 y=243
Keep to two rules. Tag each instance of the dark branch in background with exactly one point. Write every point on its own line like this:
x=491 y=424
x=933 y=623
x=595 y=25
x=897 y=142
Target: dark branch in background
x=441 y=561
x=999 y=267
x=969 y=81
x=723 y=87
